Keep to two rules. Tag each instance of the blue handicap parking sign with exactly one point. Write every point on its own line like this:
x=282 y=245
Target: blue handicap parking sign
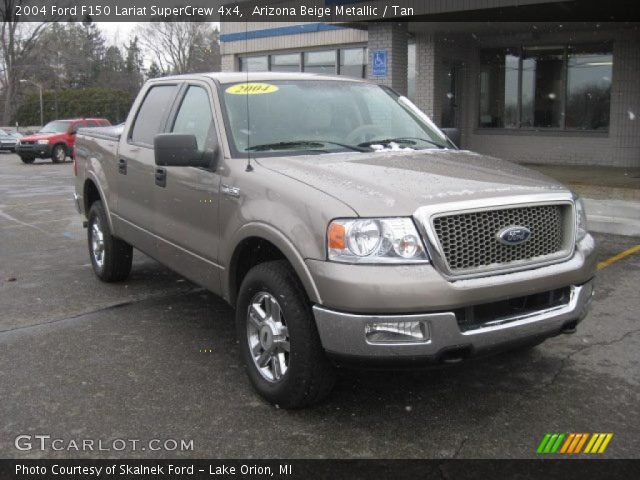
x=379 y=60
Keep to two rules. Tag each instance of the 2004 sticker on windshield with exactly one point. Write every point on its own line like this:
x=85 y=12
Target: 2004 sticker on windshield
x=251 y=88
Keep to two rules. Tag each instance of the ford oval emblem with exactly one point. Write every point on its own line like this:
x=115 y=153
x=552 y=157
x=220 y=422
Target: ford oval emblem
x=514 y=235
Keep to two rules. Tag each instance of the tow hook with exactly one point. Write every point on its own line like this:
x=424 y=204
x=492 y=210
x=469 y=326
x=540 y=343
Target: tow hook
x=569 y=328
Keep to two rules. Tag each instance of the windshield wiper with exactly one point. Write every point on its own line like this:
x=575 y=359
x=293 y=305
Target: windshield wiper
x=401 y=140
x=306 y=144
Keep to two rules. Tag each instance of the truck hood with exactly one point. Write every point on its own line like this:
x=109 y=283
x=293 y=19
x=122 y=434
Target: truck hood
x=391 y=183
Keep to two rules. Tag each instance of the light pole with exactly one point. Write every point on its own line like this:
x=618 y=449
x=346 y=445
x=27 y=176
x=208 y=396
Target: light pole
x=40 y=89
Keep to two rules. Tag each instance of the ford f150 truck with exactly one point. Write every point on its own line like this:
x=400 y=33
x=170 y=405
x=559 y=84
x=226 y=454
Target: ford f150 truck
x=55 y=140
x=338 y=220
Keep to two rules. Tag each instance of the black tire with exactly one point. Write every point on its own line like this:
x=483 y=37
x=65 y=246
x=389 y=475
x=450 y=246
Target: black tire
x=117 y=255
x=310 y=376
x=26 y=159
x=59 y=153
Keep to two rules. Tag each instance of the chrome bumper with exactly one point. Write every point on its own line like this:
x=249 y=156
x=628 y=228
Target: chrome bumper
x=344 y=334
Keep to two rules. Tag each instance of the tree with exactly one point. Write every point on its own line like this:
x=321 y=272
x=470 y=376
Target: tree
x=17 y=42
x=133 y=66
x=154 y=70
x=182 y=47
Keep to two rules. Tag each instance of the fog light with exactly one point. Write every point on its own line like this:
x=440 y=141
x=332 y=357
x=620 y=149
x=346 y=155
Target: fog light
x=397 y=332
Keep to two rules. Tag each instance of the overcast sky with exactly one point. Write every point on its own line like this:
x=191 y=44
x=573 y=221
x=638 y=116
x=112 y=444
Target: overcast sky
x=118 y=32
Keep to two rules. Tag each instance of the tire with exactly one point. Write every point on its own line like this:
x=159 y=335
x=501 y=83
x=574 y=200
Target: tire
x=59 y=153
x=26 y=159
x=306 y=375
x=111 y=257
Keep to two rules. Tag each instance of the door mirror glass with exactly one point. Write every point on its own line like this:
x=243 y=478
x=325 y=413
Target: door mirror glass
x=181 y=150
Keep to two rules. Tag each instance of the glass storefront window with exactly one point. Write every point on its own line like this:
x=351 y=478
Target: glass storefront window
x=589 y=73
x=320 y=62
x=289 y=62
x=542 y=87
x=562 y=87
x=353 y=62
x=254 y=64
x=499 y=89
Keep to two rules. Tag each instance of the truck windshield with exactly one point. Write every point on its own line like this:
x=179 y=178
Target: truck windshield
x=55 y=127
x=318 y=116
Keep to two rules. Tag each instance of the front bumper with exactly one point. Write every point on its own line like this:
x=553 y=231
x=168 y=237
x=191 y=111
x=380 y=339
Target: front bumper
x=34 y=150
x=343 y=334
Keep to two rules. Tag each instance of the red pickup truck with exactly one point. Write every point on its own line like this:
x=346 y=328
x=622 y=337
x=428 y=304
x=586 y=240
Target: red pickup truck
x=55 y=140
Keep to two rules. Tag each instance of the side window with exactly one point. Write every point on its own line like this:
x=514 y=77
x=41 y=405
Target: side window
x=148 y=121
x=195 y=117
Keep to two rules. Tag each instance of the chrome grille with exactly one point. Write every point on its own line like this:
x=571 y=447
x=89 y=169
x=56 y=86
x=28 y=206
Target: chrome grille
x=469 y=241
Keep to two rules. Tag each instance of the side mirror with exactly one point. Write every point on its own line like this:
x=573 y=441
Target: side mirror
x=181 y=150
x=453 y=134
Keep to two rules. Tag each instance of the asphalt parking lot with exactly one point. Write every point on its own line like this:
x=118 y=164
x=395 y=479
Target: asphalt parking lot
x=156 y=358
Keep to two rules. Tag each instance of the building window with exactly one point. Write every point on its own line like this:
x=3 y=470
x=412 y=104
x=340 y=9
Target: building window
x=562 y=87
x=254 y=64
x=288 y=62
x=320 y=62
x=353 y=62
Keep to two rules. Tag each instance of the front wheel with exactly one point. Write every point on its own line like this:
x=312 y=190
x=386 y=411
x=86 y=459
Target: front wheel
x=111 y=257
x=279 y=342
x=58 y=154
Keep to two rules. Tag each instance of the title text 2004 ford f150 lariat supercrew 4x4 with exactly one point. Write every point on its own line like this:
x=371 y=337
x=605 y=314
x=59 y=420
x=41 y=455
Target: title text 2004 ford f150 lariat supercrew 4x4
x=337 y=220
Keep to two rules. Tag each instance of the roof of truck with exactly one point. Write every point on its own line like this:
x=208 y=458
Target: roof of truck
x=232 y=77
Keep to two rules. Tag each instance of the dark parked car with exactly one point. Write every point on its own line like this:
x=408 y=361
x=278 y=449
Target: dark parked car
x=8 y=140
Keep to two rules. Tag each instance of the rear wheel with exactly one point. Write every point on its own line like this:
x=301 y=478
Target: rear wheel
x=279 y=342
x=111 y=257
x=58 y=154
x=26 y=159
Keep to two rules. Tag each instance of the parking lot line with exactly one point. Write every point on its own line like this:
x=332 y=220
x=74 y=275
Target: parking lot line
x=618 y=257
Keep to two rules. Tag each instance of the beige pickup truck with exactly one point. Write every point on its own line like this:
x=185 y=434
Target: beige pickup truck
x=339 y=222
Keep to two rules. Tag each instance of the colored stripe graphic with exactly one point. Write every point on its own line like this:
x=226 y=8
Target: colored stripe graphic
x=573 y=443
x=550 y=443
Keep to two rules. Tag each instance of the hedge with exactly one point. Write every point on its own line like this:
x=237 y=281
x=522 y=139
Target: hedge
x=91 y=102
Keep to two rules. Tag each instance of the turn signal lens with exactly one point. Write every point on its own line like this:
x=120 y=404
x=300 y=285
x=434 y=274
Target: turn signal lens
x=336 y=236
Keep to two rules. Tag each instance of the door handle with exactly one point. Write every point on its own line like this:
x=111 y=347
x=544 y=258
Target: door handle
x=122 y=166
x=161 y=177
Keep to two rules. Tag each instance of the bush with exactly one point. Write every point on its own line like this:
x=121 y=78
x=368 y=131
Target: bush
x=91 y=102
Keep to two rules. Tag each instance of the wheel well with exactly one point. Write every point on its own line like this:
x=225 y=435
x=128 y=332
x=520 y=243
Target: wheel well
x=251 y=252
x=91 y=194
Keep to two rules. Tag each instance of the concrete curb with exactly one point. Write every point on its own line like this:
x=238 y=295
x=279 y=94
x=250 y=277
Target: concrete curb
x=617 y=217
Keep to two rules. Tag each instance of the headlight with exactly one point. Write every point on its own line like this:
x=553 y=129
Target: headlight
x=43 y=142
x=375 y=240
x=581 y=219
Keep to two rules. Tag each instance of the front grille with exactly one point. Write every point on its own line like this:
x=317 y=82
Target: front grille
x=494 y=313
x=469 y=241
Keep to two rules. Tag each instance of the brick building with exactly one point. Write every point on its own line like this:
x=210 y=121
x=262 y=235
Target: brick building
x=543 y=92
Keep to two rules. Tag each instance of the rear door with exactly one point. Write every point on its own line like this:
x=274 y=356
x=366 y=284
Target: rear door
x=135 y=167
x=187 y=197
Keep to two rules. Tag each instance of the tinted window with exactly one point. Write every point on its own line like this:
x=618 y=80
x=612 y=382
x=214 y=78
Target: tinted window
x=195 y=116
x=151 y=113
x=589 y=72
